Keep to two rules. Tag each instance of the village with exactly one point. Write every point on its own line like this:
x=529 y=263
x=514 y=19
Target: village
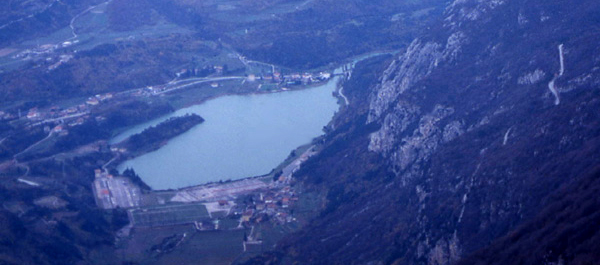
x=219 y=206
x=223 y=206
x=59 y=119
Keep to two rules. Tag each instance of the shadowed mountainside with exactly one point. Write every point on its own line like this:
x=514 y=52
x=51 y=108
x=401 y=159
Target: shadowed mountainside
x=465 y=137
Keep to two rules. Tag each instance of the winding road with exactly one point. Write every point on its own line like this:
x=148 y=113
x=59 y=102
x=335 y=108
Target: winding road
x=36 y=144
x=551 y=85
x=506 y=136
x=104 y=167
x=71 y=24
x=246 y=62
x=562 y=59
x=341 y=92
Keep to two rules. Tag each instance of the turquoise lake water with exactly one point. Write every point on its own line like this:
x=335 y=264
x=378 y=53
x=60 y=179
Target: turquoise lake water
x=242 y=136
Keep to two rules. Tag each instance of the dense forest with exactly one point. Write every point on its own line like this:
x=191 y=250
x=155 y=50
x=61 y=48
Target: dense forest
x=152 y=138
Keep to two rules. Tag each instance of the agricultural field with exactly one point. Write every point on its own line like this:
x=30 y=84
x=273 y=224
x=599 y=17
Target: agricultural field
x=199 y=247
x=168 y=215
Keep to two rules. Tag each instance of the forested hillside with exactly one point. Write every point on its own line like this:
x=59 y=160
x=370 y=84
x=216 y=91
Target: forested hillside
x=474 y=135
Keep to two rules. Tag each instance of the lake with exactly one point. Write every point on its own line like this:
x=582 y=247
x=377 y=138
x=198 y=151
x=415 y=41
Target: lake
x=242 y=136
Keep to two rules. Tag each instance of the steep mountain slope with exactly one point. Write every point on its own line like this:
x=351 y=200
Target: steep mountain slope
x=565 y=230
x=465 y=136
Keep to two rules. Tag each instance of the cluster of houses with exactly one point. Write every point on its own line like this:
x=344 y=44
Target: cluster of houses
x=43 y=49
x=62 y=119
x=95 y=100
x=47 y=51
x=59 y=118
x=6 y=116
x=271 y=205
x=154 y=90
x=291 y=79
x=60 y=129
x=34 y=114
x=55 y=112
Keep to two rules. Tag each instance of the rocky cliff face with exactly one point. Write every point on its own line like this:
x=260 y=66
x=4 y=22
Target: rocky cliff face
x=464 y=137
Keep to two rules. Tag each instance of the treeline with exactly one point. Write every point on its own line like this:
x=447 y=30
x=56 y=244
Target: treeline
x=132 y=112
x=135 y=178
x=153 y=137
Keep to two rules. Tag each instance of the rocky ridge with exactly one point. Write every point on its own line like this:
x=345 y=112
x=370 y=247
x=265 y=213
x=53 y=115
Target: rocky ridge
x=463 y=138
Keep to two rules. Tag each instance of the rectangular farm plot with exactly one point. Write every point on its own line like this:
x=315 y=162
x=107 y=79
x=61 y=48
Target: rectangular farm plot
x=168 y=215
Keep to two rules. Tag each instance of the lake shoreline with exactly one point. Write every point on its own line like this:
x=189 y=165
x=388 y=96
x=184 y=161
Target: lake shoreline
x=335 y=94
x=303 y=103
x=304 y=87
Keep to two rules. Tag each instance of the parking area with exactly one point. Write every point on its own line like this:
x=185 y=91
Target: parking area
x=112 y=192
x=165 y=215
